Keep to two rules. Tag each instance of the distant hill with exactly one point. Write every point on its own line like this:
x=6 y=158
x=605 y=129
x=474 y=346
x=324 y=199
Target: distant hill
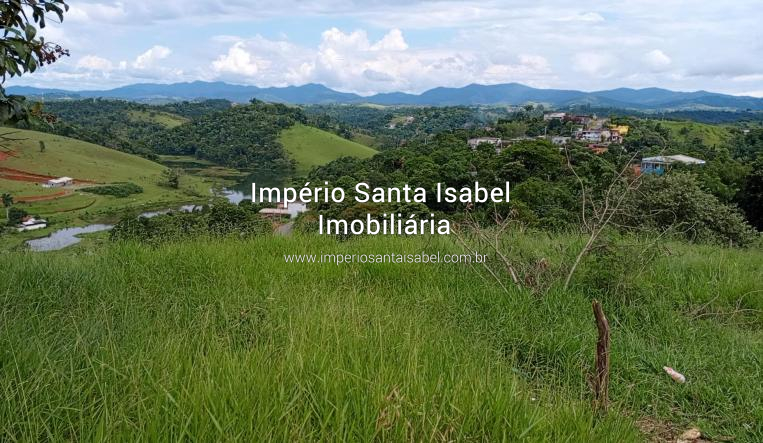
x=310 y=146
x=501 y=94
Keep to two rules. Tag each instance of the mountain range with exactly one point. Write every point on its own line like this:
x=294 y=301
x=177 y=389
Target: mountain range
x=474 y=94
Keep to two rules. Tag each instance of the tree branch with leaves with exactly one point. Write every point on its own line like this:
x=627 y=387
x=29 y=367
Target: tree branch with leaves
x=23 y=50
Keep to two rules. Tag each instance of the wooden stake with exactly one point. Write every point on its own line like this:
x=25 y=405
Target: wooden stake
x=601 y=380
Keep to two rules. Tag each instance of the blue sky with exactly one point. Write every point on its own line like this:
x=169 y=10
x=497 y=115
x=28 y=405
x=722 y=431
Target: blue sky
x=412 y=45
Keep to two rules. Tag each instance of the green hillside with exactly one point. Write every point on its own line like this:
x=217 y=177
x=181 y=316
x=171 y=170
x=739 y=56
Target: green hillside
x=313 y=147
x=85 y=162
x=78 y=159
x=687 y=130
x=165 y=119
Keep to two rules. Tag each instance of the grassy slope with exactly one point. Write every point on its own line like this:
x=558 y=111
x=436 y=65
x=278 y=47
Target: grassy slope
x=166 y=119
x=312 y=147
x=710 y=134
x=69 y=157
x=221 y=340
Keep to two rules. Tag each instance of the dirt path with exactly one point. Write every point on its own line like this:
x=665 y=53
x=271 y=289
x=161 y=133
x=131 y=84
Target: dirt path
x=39 y=198
x=24 y=176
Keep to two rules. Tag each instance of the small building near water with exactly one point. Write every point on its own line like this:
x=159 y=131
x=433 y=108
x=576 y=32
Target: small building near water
x=30 y=223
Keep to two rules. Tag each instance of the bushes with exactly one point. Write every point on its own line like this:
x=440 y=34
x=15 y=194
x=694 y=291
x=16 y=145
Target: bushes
x=15 y=215
x=116 y=189
x=220 y=220
x=676 y=201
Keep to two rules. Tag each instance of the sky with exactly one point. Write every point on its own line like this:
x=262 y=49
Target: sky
x=377 y=46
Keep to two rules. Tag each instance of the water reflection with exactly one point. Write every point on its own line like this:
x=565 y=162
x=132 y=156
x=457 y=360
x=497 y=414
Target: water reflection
x=242 y=189
x=64 y=237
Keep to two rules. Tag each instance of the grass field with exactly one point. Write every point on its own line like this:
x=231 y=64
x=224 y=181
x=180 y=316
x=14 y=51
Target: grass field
x=85 y=161
x=163 y=118
x=312 y=147
x=221 y=340
x=710 y=134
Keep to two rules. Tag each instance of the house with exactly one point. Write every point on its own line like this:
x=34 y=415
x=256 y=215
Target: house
x=590 y=136
x=584 y=120
x=58 y=182
x=496 y=142
x=554 y=116
x=622 y=129
x=662 y=163
x=293 y=210
x=30 y=223
x=615 y=136
x=560 y=140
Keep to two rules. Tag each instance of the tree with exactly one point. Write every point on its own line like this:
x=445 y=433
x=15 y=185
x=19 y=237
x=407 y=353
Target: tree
x=15 y=215
x=7 y=203
x=751 y=196
x=22 y=51
x=171 y=178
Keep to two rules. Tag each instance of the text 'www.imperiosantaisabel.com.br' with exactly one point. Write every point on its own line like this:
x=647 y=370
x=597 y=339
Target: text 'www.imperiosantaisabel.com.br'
x=339 y=259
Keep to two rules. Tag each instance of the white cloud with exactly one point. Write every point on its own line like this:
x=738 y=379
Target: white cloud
x=423 y=43
x=588 y=17
x=349 y=61
x=393 y=41
x=236 y=61
x=748 y=78
x=657 y=60
x=150 y=57
x=94 y=63
x=595 y=64
x=758 y=94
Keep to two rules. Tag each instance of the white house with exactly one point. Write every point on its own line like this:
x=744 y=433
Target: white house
x=497 y=142
x=554 y=116
x=30 y=224
x=58 y=182
x=661 y=163
x=595 y=135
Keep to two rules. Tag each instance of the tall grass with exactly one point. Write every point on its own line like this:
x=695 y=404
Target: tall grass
x=221 y=340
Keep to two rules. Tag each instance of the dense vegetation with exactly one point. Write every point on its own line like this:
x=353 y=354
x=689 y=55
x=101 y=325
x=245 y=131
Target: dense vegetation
x=547 y=191
x=195 y=109
x=111 y=123
x=220 y=219
x=242 y=136
x=116 y=189
x=395 y=126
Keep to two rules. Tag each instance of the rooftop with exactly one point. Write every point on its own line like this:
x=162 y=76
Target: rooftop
x=680 y=158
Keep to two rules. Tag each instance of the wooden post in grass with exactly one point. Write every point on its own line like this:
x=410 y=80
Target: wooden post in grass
x=601 y=379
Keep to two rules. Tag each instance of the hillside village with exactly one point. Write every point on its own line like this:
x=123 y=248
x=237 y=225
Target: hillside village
x=593 y=133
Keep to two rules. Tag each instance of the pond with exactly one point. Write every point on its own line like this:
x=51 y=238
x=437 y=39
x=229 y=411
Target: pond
x=242 y=188
x=64 y=237
x=235 y=193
